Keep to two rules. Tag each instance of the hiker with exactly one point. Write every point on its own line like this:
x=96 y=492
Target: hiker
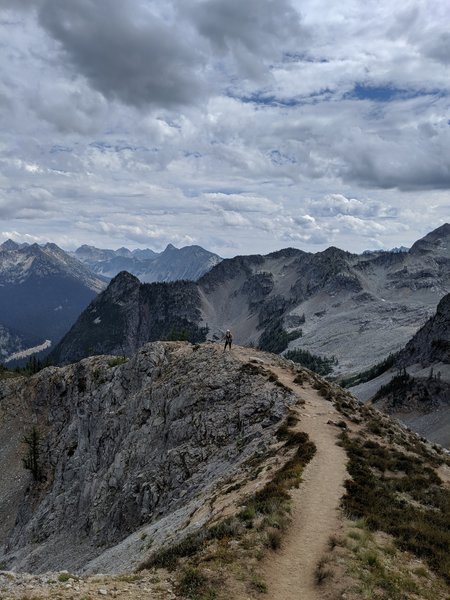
x=228 y=339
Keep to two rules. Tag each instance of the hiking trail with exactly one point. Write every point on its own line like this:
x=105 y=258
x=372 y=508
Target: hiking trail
x=290 y=571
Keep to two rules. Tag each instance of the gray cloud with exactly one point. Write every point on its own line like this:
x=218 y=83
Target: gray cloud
x=127 y=52
x=251 y=32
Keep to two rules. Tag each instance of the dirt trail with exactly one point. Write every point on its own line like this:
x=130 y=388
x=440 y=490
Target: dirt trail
x=290 y=572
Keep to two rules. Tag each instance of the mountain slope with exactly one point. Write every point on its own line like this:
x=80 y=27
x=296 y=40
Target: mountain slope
x=128 y=314
x=43 y=291
x=225 y=468
x=190 y=262
x=332 y=303
x=416 y=389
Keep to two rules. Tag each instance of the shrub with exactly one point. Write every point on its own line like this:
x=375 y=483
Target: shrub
x=32 y=459
x=419 y=524
x=117 y=360
x=273 y=540
x=194 y=584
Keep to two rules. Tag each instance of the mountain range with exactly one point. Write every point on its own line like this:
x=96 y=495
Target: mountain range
x=43 y=290
x=190 y=262
x=356 y=308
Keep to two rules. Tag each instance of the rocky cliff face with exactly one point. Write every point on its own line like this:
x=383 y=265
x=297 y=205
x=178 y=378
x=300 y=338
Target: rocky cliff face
x=431 y=344
x=129 y=314
x=124 y=445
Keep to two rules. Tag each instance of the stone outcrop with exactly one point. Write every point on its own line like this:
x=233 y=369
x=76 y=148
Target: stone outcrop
x=128 y=443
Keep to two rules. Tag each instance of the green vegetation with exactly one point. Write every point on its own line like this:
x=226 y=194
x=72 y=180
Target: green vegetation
x=6 y=373
x=117 y=360
x=273 y=500
x=276 y=339
x=190 y=545
x=259 y=584
x=32 y=459
x=398 y=387
x=63 y=577
x=371 y=373
x=32 y=366
x=402 y=495
x=381 y=571
x=195 y=585
x=319 y=364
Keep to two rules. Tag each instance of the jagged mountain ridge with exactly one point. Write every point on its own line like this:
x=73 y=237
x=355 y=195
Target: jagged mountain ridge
x=43 y=290
x=356 y=307
x=190 y=262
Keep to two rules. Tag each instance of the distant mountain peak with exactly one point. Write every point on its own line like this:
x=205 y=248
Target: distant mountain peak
x=10 y=245
x=437 y=240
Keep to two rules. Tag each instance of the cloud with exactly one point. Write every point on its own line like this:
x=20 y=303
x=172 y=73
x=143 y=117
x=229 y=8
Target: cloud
x=252 y=33
x=245 y=203
x=334 y=205
x=127 y=51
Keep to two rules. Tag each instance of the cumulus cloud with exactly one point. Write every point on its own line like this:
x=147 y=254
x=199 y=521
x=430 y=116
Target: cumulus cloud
x=129 y=53
x=334 y=205
x=242 y=202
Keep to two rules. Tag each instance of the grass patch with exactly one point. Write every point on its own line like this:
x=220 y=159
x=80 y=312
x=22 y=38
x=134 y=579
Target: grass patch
x=400 y=494
x=168 y=557
x=259 y=584
x=273 y=539
x=64 y=577
x=322 y=572
x=195 y=585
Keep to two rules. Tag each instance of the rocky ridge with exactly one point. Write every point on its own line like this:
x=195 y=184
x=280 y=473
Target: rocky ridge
x=416 y=388
x=128 y=445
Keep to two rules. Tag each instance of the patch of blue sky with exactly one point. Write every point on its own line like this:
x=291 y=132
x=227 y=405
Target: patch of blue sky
x=388 y=93
x=264 y=99
x=56 y=148
x=298 y=57
x=120 y=147
x=279 y=158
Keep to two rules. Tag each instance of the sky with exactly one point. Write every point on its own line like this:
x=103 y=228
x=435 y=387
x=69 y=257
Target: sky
x=241 y=126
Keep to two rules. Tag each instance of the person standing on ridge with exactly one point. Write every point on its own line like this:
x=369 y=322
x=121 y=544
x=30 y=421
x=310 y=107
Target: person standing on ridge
x=228 y=339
